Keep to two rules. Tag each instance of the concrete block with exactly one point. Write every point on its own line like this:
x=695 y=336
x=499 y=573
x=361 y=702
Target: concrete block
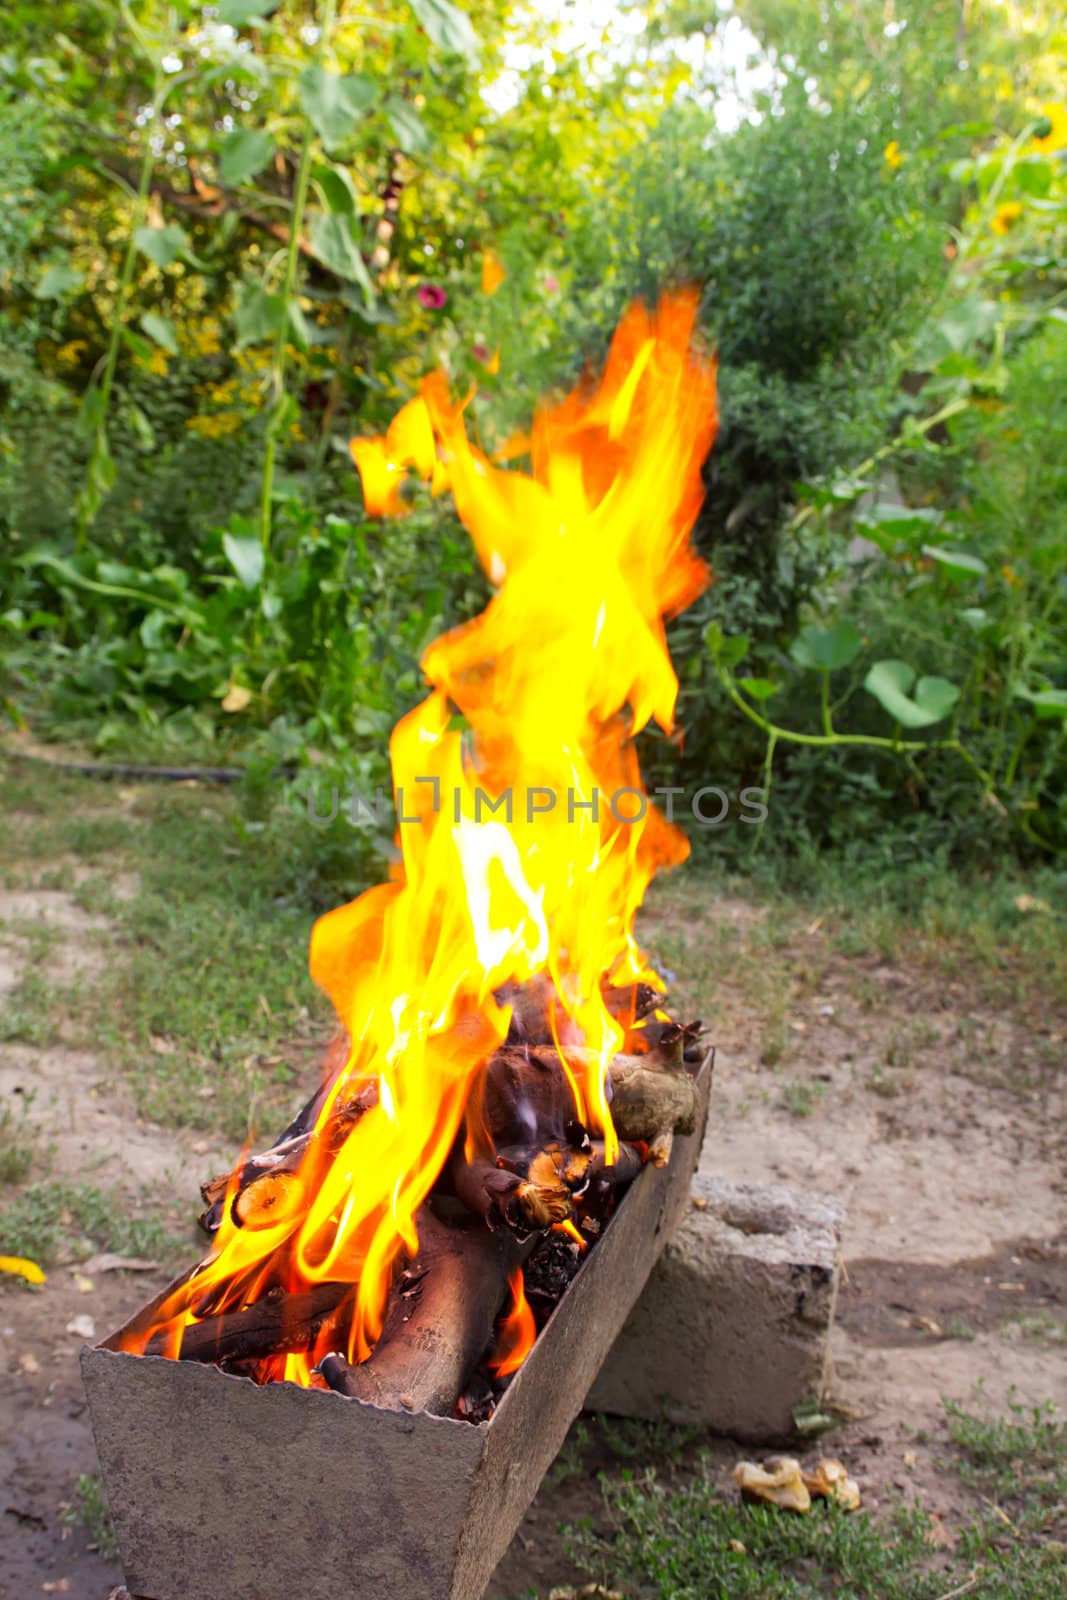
x=732 y=1330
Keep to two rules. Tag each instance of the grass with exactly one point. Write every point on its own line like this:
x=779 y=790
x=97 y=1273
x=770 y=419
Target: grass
x=687 y=1540
x=53 y=1219
x=20 y=1142
x=88 y=1508
x=205 y=990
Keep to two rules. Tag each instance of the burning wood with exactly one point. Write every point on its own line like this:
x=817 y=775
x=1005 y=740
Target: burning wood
x=506 y=1066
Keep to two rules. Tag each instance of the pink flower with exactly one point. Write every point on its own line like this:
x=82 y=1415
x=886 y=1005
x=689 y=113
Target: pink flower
x=480 y=352
x=551 y=284
x=431 y=296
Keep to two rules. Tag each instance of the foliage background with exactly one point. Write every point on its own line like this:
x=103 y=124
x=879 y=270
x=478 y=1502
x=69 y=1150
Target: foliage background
x=246 y=240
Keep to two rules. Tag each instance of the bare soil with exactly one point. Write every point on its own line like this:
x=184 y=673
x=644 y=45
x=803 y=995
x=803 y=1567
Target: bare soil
x=933 y=1106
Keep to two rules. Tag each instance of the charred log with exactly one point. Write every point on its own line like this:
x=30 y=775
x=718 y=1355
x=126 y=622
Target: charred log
x=439 y=1323
x=276 y=1324
x=528 y=1099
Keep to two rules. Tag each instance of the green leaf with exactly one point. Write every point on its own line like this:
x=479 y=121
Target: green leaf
x=1034 y=176
x=889 y=683
x=245 y=555
x=968 y=322
x=447 y=26
x=827 y=648
x=162 y=245
x=1046 y=702
x=259 y=314
x=161 y=331
x=56 y=282
x=758 y=688
x=238 y=13
x=726 y=650
x=896 y=522
x=956 y=562
x=334 y=104
x=337 y=188
x=408 y=127
x=242 y=154
x=334 y=243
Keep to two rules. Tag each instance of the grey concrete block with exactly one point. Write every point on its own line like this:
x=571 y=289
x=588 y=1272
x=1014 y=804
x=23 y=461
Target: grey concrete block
x=732 y=1330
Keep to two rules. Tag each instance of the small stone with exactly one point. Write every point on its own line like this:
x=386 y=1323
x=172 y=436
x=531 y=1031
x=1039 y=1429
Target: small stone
x=82 y=1327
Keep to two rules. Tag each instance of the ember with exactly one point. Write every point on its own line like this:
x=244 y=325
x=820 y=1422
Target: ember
x=508 y=1067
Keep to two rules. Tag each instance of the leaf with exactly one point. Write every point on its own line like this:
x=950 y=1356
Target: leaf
x=56 y=282
x=448 y=27
x=957 y=562
x=889 y=683
x=238 y=13
x=899 y=522
x=259 y=314
x=162 y=245
x=334 y=242
x=408 y=127
x=758 y=688
x=161 y=331
x=968 y=322
x=338 y=190
x=242 y=154
x=245 y=555
x=1046 y=702
x=827 y=648
x=728 y=650
x=334 y=104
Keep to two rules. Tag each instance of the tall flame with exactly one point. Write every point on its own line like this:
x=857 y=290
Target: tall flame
x=526 y=835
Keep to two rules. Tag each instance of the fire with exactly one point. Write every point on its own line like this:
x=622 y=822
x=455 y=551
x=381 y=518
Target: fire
x=517 y=1331
x=526 y=835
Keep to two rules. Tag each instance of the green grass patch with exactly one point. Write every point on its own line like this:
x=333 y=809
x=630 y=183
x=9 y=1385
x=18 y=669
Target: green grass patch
x=52 y=1219
x=689 y=1540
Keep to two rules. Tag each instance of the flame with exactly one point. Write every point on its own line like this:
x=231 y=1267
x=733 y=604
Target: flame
x=516 y=1333
x=526 y=835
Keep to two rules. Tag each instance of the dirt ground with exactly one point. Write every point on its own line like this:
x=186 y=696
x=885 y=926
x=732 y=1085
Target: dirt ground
x=931 y=1104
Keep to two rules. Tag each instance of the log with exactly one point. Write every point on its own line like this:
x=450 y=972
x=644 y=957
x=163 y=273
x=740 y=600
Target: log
x=440 y=1320
x=528 y=1098
x=538 y=1017
x=285 y=1157
x=528 y=1189
x=276 y=1324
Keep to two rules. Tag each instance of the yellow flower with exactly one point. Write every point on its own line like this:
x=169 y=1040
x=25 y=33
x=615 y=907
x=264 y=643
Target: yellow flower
x=1008 y=574
x=893 y=155
x=1006 y=214
x=21 y=1268
x=1056 y=138
x=70 y=353
x=157 y=363
x=215 y=427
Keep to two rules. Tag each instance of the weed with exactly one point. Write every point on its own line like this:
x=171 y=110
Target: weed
x=685 y=1541
x=88 y=1506
x=53 y=1218
x=20 y=1141
x=801 y=1099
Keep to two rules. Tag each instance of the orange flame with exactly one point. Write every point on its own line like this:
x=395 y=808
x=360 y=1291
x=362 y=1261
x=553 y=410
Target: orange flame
x=517 y=1332
x=527 y=837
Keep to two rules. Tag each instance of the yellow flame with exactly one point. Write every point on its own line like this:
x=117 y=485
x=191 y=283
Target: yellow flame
x=527 y=838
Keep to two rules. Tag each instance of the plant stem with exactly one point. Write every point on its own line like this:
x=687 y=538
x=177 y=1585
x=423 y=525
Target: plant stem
x=280 y=359
x=872 y=741
x=118 y=316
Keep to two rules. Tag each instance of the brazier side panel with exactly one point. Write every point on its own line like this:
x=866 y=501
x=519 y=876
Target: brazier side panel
x=222 y=1490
